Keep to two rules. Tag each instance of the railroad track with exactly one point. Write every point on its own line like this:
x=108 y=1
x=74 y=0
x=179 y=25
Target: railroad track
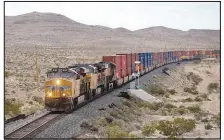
x=35 y=127
x=31 y=129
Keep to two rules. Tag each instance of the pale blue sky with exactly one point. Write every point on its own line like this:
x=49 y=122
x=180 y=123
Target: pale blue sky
x=130 y=15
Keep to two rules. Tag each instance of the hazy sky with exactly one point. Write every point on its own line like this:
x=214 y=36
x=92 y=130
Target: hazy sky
x=130 y=15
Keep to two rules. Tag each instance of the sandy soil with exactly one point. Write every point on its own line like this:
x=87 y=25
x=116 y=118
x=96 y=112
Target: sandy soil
x=209 y=71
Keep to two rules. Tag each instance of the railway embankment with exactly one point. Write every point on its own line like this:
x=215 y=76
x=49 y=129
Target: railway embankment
x=189 y=107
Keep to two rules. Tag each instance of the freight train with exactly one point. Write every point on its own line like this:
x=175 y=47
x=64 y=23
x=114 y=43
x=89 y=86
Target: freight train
x=65 y=88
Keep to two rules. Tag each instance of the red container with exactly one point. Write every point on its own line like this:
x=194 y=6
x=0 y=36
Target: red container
x=133 y=58
x=126 y=64
x=117 y=61
x=155 y=56
x=123 y=61
x=160 y=57
x=174 y=53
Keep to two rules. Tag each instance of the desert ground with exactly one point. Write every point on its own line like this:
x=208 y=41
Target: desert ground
x=189 y=107
x=57 y=41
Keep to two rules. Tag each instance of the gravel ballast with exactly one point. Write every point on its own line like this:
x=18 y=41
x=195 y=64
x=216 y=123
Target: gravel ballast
x=69 y=126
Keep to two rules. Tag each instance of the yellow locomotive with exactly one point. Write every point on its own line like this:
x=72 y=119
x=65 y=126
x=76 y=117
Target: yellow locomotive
x=65 y=88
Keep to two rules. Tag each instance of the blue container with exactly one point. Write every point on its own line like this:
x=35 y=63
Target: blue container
x=133 y=68
x=141 y=58
x=149 y=59
x=145 y=60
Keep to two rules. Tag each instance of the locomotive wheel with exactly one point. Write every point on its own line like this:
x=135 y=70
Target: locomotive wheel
x=75 y=102
x=70 y=109
x=93 y=93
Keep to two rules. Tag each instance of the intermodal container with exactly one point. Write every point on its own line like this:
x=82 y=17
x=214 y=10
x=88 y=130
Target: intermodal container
x=178 y=53
x=133 y=59
x=145 y=60
x=165 y=56
x=141 y=59
x=149 y=59
x=136 y=59
x=161 y=57
x=117 y=61
x=155 y=58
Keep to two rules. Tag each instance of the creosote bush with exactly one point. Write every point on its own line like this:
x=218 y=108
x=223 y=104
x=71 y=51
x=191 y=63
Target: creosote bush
x=187 y=100
x=171 y=91
x=12 y=107
x=213 y=86
x=208 y=126
x=115 y=131
x=197 y=99
x=157 y=90
x=38 y=99
x=176 y=127
x=6 y=73
x=194 y=108
x=149 y=129
x=195 y=78
x=191 y=90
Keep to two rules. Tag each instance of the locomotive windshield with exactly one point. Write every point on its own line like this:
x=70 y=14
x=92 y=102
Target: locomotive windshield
x=60 y=75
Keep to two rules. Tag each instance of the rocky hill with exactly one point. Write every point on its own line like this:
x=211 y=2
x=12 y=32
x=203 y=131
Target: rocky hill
x=55 y=30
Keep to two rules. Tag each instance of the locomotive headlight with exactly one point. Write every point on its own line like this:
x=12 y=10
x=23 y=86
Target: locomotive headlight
x=58 y=82
x=50 y=94
x=63 y=94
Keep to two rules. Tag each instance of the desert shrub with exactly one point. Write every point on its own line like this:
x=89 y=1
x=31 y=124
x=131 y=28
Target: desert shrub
x=126 y=103
x=12 y=108
x=187 y=100
x=204 y=96
x=208 y=126
x=172 y=91
x=149 y=129
x=157 y=105
x=198 y=99
x=176 y=127
x=195 y=78
x=207 y=72
x=38 y=99
x=218 y=120
x=194 y=108
x=108 y=119
x=199 y=115
x=30 y=102
x=115 y=132
x=205 y=120
x=167 y=95
x=182 y=125
x=213 y=86
x=117 y=123
x=181 y=111
x=191 y=90
x=6 y=73
x=157 y=90
x=152 y=106
x=166 y=127
x=102 y=122
x=145 y=104
x=169 y=106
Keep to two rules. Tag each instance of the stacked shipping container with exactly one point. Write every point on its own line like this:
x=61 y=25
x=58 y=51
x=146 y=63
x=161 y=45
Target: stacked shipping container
x=125 y=63
x=116 y=60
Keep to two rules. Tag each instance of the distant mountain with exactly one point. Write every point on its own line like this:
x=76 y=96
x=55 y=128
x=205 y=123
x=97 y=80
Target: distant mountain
x=55 y=30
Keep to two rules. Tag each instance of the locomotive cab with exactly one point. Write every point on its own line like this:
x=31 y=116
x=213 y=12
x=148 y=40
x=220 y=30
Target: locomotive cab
x=58 y=89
